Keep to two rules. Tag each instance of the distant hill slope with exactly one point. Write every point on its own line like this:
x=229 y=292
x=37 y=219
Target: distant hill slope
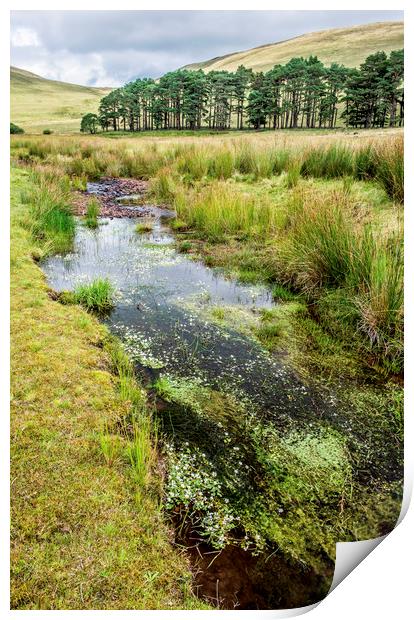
x=348 y=46
x=37 y=103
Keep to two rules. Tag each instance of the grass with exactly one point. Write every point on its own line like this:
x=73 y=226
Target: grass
x=144 y=227
x=328 y=251
x=220 y=209
x=335 y=161
x=51 y=216
x=390 y=168
x=38 y=104
x=84 y=533
x=92 y=213
x=96 y=296
x=170 y=165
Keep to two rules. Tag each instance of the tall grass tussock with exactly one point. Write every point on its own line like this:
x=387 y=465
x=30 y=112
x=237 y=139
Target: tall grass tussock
x=50 y=213
x=96 y=296
x=92 y=213
x=326 y=250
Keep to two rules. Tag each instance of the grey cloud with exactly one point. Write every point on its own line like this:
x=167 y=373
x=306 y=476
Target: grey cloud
x=127 y=44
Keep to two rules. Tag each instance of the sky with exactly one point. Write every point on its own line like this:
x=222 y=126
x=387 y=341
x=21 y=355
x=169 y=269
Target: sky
x=110 y=48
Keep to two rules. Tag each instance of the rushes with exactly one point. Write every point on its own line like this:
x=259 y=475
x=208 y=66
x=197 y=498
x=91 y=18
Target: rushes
x=96 y=296
x=335 y=161
x=92 y=213
x=390 y=168
x=326 y=251
x=50 y=212
x=138 y=429
x=195 y=162
x=140 y=450
x=220 y=210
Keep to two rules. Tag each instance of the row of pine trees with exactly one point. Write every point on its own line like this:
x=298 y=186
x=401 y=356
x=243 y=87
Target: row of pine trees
x=303 y=93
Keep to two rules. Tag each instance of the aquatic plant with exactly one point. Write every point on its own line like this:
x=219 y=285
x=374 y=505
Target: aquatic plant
x=92 y=213
x=144 y=227
x=96 y=296
x=184 y=247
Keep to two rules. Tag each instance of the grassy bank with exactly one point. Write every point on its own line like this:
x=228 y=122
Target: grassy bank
x=87 y=531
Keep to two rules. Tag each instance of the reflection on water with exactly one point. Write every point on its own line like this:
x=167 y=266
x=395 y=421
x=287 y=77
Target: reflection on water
x=154 y=285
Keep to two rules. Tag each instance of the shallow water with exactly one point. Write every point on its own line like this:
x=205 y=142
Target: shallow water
x=155 y=286
x=161 y=311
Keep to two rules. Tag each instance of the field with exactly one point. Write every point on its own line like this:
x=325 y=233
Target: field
x=38 y=104
x=313 y=217
x=347 y=46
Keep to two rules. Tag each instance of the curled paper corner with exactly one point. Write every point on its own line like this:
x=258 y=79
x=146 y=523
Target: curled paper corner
x=349 y=555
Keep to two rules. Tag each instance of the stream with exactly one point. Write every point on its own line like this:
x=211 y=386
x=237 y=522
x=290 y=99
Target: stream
x=221 y=398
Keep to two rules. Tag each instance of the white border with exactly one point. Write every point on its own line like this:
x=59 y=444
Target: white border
x=381 y=586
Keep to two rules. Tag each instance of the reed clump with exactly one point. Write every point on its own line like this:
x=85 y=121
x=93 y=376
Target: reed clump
x=50 y=213
x=389 y=159
x=92 y=213
x=219 y=210
x=96 y=296
x=350 y=270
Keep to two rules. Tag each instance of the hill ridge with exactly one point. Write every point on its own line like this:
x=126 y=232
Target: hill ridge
x=38 y=103
x=375 y=36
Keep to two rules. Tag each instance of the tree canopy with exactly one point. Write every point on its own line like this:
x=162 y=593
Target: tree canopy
x=302 y=93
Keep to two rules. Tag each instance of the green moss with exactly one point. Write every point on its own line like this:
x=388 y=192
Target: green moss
x=303 y=496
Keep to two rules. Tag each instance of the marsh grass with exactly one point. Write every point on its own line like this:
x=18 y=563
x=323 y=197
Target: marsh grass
x=390 y=168
x=96 y=296
x=269 y=334
x=219 y=210
x=139 y=429
x=51 y=218
x=334 y=161
x=327 y=251
x=140 y=451
x=110 y=445
x=293 y=175
x=221 y=165
x=92 y=213
x=162 y=186
x=144 y=227
x=185 y=247
x=221 y=159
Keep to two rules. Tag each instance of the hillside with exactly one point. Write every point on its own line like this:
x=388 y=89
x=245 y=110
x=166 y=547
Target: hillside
x=37 y=103
x=348 y=46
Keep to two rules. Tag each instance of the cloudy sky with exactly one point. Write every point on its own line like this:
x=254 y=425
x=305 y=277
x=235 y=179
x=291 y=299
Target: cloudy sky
x=109 y=48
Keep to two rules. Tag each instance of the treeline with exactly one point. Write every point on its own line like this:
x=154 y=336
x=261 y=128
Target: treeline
x=302 y=93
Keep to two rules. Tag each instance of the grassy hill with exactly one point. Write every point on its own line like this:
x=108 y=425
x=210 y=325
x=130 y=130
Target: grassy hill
x=37 y=103
x=349 y=46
